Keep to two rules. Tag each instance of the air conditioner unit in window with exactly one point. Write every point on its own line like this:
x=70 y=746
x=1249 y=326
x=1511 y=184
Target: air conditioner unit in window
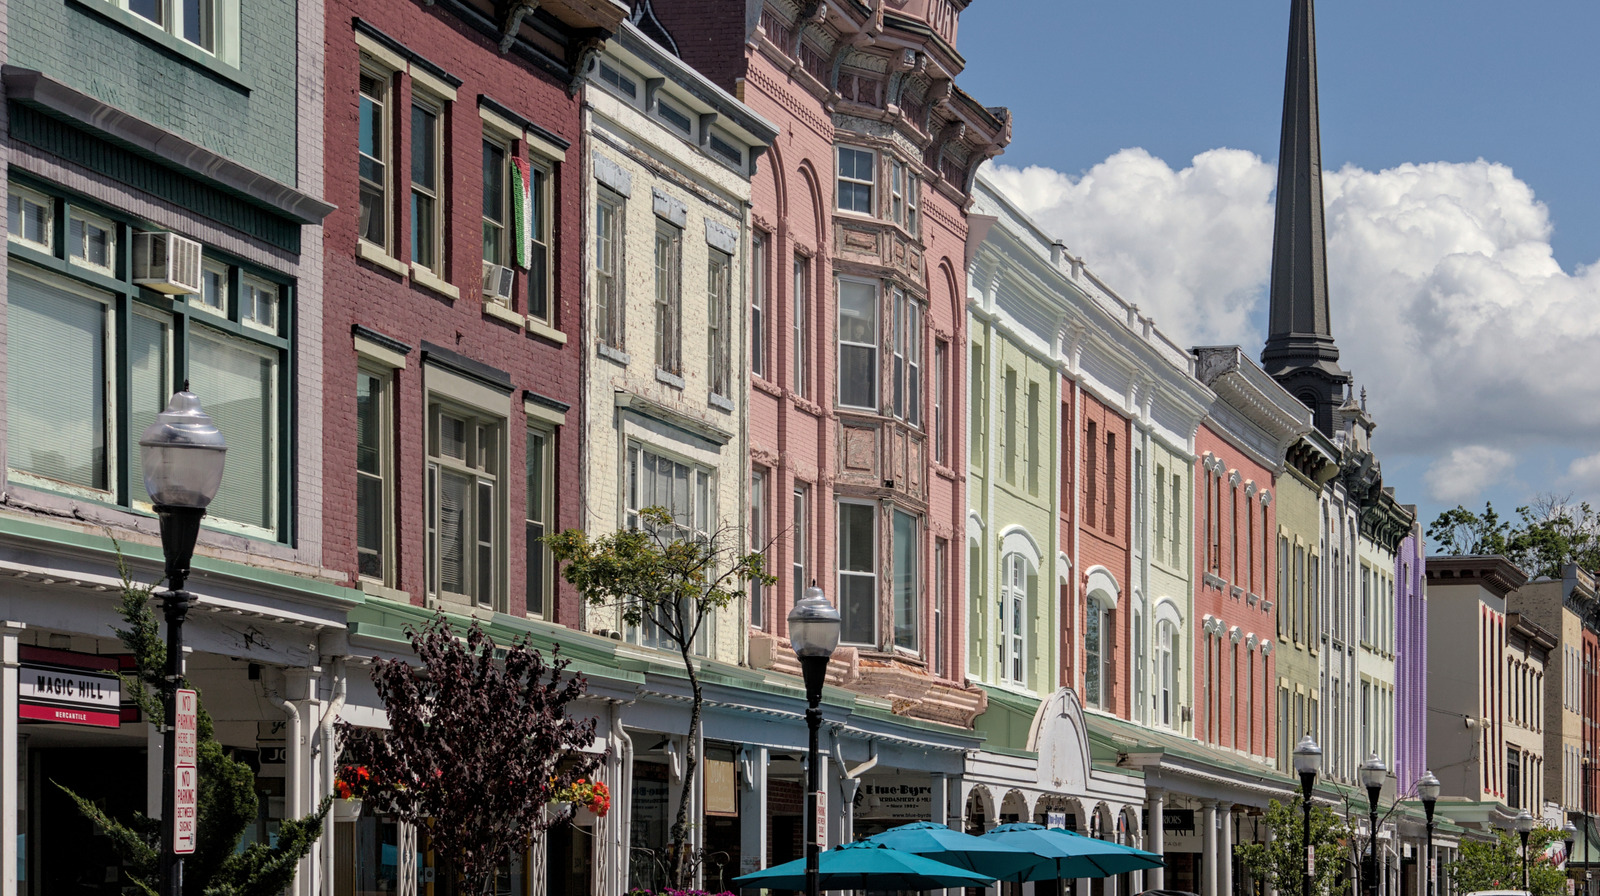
x=497 y=282
x=166 y=262
x=1186 y=713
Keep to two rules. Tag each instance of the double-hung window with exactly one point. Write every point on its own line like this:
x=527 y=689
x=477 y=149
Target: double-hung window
x=95 y=357
x=802 y=324
x=1166 y=661
x=540 y=183
x=858 y=573
x=1018 y=579
x=518 y=178
x=684 y=490
x=719 y=346
x=941 y=401
x=192 y=21
x=903 y=197
x=857 y=180
x=906 y=590
x=538 y=466
x=669 y=298
x=427 y=183
x=1096 y=639
x=797 y=538
x=758 y=303
x=758 y=544
x=608 y=289
x=858 y=343
x=376 y=150
x=907 y=376
x=374 y=473
x=465 y=537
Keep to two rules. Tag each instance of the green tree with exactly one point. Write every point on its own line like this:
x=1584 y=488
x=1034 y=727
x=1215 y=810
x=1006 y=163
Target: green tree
x=1554 y=532
x=226 y=803
x=1461 y=532
x=671 y=580
x=1282 y=862
x=1497 y=865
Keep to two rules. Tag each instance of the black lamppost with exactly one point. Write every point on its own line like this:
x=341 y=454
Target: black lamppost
x=1569 y=834
x=1524 y=825
x=1428 y=792
x=1307 y=762
x=1372 y=774
x=814 y=633
x=183 y=457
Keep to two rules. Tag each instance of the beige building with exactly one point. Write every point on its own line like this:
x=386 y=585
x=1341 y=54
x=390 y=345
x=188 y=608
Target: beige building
x=1528 y=649
x=1559 y=606
x=1469 y=733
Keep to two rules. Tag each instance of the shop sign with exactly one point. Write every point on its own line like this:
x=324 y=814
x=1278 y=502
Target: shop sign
x=908 y=801
x=1178 y=820
x=1055 y=818
x=272 y=749
x=722 y=787
x=73 y=688
x=185 y=777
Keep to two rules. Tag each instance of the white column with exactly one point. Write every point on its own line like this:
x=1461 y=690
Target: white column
x=1225 y=854
x=939 y=798
x=753 y=811
x=1155 y=804
x=10 y=746
x=1273 y=891
x=1208 y=852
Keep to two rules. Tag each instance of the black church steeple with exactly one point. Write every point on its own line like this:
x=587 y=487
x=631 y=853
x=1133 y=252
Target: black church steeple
x=1300 y=352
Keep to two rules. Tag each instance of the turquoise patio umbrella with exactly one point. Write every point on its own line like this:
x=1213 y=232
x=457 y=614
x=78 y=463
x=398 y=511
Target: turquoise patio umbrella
x=865 y=865
x=1068 y=855
x=938 y=842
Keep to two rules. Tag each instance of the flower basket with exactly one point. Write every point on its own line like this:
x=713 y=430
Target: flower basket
x=346 y=810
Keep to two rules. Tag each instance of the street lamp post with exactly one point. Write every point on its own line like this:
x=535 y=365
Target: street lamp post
x=814 y=633
x=1524 y=825
x=183 y=458
x=1428 y=792
x=1372 y=774
x=1307 y=762
x=1569 y=833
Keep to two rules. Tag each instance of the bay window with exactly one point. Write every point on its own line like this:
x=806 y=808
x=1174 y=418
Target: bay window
x=858 y=344
x=858 y=573
x=907 y=374
x=93 y=359
x=857 y=180
x=906 y=592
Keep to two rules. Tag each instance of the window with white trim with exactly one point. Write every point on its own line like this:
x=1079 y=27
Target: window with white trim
x=941 y=401
x=858 y=343
x=758 y=303
x=941 y=597
x=1096 y=655
x=905 y=591
x=904 y=187
x=1167 y=671
x=1018 y=596
x=906 y=377
x=857 y=180
x=375 y=473
x=719 y=300
x=191 y=21
x=539 y=460
x=687 y=492
x=92 y=242
x=802 y=325
x=669 y=298
x=376 y=149
x=798 y=535
x=427 y=182
x=608 y=286
x=213 y=294
x=465 y=540
x=758 y=544
x=95 y=357
x=858 y=573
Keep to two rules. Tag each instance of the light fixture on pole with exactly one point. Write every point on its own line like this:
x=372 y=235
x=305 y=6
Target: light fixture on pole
x=1524 y=825
x=1428 y=792
x=183 y=458
x=1372 y=775
x=1307 y=762
x=1569 y=834
x=814 y=633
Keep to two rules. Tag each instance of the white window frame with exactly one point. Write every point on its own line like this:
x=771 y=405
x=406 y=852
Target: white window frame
x=759 y=477
x=618 y=79
x=384 y=186
x=870 y=347
x=702 y=514
x=23 y=197
x=546 y=513
x=500 y=242
x=759 y=241
x=941 y=401
x=870 y=573
x=802 y=342
x=1094 y=657
x=798 y=538
x=906 y=348
x=669 y=297
x=610 y=288
x=482 y=466
x=1016 y=608
x=904 y=187
x=221 y=272
x=224 y=24
x=854 y=182
x=434 y=192
x=1167 y=663
x=541 y=186
x=913 y=590
x=383 y=399
x=87 y=220
x=719 y=322
x=251 y=293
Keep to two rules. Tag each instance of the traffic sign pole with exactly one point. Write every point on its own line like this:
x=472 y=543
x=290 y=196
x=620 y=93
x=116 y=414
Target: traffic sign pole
x=186 y=777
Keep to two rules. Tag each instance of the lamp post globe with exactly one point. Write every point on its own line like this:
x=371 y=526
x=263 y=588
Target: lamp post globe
x=1569 y=837
x=1373 y=772
x=1524 y=824
x=183 y=454
x=1307 y=762
x=1428 y=791
x=814 y=625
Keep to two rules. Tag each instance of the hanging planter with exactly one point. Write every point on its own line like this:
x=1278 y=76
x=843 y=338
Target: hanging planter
x=347 y=810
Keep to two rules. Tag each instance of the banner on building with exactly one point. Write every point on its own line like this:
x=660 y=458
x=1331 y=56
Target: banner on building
x=71 y=688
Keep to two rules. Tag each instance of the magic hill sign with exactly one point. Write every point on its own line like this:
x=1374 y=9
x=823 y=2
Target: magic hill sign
x=67 y=687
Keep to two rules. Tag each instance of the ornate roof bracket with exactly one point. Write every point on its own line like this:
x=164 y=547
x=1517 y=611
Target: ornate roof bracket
x=508 y=15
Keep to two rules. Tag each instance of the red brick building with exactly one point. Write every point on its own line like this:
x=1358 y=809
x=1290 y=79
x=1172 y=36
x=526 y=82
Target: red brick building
x=1097 y=640
x=453 y=278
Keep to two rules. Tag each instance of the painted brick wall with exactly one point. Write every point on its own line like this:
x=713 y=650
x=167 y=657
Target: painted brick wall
x=249 y=118
x=1103 y=532
x=359 y=292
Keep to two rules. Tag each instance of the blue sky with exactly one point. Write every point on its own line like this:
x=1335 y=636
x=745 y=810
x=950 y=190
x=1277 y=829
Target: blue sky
x=1490 y=402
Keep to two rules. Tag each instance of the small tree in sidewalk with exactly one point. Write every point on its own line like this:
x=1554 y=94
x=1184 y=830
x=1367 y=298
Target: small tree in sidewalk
x=666 y=578
x=1497 y=864
x=1281 y=863
x=480 y=739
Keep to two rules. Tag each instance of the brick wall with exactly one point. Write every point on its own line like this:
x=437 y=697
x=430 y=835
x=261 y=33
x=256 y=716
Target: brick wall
x=360 y=292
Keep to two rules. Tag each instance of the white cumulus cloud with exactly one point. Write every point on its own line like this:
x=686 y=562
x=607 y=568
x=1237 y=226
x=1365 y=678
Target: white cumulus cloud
x=1465 y=473
x=1477 y=348
x=1584 y=473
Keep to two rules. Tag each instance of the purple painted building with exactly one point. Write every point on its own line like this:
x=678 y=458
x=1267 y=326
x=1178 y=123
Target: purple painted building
x=1411 y=656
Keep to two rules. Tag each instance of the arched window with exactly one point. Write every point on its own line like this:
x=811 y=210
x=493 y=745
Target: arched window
x=1167 y=669
x=1095 y=642
x=1019 y=582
